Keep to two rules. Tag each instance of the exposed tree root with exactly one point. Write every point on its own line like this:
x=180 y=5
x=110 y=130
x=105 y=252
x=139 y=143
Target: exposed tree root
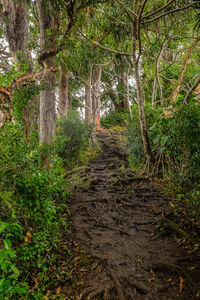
x=174 y=227
x=118 y=286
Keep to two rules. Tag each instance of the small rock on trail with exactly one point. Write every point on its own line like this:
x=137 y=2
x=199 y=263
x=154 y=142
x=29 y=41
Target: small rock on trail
x=114 y=221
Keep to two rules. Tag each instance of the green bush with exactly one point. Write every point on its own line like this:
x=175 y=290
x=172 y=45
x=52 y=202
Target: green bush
x=114 y=118
x=25 y=186
x=133 y=132
x=178 y=138
x=175 y=142
x=72 y=136
x=32 y=198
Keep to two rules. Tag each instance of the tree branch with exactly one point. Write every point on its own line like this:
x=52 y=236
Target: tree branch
x=195 y=85
x=97 y=44
x=158 y=9
x=171 y=12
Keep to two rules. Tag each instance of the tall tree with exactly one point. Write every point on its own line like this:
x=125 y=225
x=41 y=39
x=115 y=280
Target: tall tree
x=96 y=93
x=64 y=99
x=16 y=28
x=47 y=22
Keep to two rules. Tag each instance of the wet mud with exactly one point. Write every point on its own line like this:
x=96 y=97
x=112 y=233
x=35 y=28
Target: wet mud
x=115 y=222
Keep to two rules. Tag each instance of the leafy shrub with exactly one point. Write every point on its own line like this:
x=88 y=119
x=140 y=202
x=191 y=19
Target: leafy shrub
x=31 y=189
x=133 y=132
x=175 y=141
x=178 y=138
x=32 y=198
x=114 y=118
x=9 y=275
x=72 y=136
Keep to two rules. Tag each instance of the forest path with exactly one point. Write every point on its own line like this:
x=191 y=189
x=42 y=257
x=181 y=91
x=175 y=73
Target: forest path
x=114 y=222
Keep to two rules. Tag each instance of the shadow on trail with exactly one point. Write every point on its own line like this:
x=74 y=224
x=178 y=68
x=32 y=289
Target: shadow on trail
x=114 y=222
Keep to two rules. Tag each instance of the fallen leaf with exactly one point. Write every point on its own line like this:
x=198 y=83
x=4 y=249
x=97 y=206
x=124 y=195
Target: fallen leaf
x=181 y=284
x=192 y=268
x=28 y=237
x=75 y=243
x=58 y=290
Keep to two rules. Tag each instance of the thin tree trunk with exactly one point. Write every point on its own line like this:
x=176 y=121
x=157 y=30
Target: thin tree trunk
x=183 y=68
x=195 y=85
x=70 y=104
x=126 y=90
x=88 y=100
x=127 y=93
x=96 y=94
x=63 y=103
x=141 y=98
x=154 y=93
x=157 y=77
x=47 y=96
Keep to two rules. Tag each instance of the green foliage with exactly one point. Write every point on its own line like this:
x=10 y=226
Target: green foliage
x=32 y=200
x=27 y=184
x=114 y=118
x=9 y=272
x=23 y=98
x=175 y=140
x=178 y=138
x=134 y=138
x=72 y=136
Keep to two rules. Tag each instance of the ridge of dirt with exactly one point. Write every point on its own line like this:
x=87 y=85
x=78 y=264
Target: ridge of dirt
x=114 y=223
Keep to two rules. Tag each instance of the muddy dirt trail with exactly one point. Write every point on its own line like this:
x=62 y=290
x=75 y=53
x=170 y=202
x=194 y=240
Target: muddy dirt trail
x=114 y=221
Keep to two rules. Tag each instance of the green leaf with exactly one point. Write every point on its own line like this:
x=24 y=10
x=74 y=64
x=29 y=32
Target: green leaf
x=14 y=269
x=12 y=253
x=164 y=140
x=7 y=244
x=3 y=226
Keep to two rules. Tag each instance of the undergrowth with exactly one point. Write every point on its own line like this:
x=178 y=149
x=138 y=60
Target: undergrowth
x=175 y=141
x=34 y=214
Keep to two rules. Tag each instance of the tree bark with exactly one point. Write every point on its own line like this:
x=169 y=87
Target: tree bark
x=96 y=94
x=16 y=31
x=154 y=93
x=192 y=89
x=47 y=96
x=183 y=68
x=17 y=34
x=141 y=98
x=88 y=100
x=63 y=103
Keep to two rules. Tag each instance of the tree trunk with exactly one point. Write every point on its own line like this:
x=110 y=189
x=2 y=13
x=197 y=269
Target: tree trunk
x=16 y=31
x=127 y=100
x=47 y=96
x=17 y=34
x=192 y=89
x=183 y=68
x=63 y=103
x=141 y=98
x=70 y=104
x=96 y=94
x=153 y=99
x=47 y=108
x=88 y=100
